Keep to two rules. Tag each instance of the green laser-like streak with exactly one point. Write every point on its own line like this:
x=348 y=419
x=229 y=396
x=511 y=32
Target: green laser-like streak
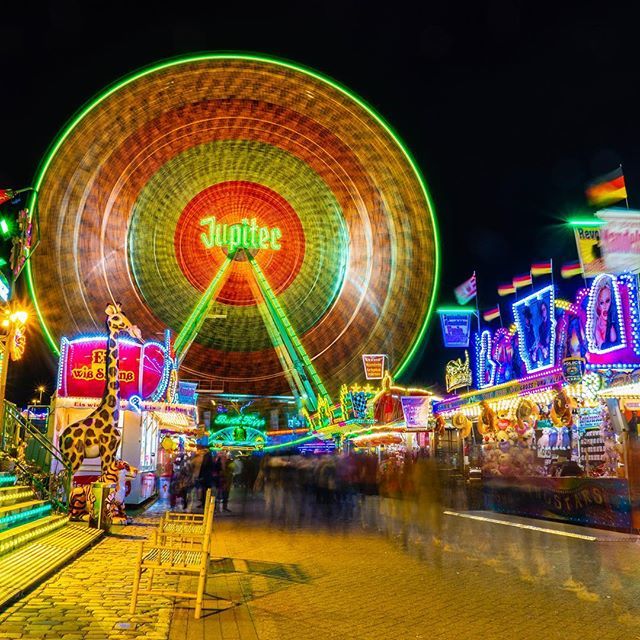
x=272 y=300
x=195 y=321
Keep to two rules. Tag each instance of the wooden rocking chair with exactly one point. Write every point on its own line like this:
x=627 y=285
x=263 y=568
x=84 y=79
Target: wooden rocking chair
x=178 y=552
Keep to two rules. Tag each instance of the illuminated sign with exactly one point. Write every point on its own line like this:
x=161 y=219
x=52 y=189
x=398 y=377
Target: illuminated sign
x=373 y=365
x=458 y=373
x=605 y=328
x=82 y=368
x=536 y=322
x=456 y=328
x=589 y=252
x=246 y=235
x=417 y=411
x=620 y=240
x=252 y=420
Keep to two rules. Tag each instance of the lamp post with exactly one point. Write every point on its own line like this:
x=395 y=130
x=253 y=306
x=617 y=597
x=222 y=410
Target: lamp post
x=12 y=328
x=40 y=389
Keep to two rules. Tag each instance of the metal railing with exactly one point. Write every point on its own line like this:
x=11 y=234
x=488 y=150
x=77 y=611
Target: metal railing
x=35 y=456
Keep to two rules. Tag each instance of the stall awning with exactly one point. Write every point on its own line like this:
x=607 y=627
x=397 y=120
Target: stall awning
x=631 y=390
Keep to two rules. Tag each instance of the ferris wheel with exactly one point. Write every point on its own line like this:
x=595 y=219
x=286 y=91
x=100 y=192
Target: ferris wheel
x=260 y=211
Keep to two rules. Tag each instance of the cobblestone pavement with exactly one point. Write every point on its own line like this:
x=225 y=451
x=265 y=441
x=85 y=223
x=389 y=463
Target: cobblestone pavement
x=479 y=580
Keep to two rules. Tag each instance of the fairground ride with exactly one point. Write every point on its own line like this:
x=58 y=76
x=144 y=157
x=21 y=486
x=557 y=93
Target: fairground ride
x=263 y=213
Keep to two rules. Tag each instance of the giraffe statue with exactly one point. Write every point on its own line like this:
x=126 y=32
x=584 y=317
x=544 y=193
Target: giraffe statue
x=97 y=435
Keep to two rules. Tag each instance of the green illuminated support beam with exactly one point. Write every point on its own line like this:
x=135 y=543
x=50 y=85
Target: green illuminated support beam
x=195 y=321
x=301 y=361
x=287 y=364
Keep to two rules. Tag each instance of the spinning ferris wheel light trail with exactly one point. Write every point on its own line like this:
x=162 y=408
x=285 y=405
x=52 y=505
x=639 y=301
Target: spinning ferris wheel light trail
x=252 y=183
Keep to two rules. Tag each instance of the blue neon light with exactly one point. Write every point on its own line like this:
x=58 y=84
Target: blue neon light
x=529 y=336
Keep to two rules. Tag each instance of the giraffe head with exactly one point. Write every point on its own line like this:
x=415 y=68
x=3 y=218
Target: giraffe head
x=117 y=322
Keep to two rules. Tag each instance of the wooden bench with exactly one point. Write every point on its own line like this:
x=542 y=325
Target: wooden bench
x=176 y=552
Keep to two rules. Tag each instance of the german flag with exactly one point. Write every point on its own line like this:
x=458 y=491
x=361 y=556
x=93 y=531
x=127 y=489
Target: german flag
x=491 y=314
x=541 y=268
x=522 y=281
x=506 y=289
x=607 y=189
x=571 y=269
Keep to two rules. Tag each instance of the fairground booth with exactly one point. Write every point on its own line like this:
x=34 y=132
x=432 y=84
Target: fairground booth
x=154 y=405
x=545 y=404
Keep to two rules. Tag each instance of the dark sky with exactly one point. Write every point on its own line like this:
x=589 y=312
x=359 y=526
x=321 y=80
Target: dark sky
x=509 y=107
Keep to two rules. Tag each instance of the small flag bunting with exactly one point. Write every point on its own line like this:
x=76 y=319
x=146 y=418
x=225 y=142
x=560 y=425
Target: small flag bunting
x=506 y=289
x=607 y=189
x=466 y=291
x=571 y=269
x=523 y=280
x=541 y=268
x=491 y=314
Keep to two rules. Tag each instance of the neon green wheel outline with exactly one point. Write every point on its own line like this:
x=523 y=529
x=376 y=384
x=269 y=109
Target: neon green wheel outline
x=251 y=57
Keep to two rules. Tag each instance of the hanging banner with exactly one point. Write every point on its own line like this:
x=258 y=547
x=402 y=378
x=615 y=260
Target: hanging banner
x=589 y=250
x=373 y=365
x=456 y=329
x=417 y=411
x=620 y=241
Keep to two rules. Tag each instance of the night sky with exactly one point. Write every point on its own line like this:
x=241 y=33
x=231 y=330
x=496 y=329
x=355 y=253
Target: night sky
x=509 y=108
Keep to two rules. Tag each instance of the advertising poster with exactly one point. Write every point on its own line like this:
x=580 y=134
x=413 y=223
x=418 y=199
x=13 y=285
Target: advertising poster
x=535 y=319
x=605 y=331
x=416 y=410
x=589 y=250
x=456 y=329
x=373 y=365
x=620 y=241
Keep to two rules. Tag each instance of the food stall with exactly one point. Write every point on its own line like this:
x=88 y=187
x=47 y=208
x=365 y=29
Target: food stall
x=552 y=442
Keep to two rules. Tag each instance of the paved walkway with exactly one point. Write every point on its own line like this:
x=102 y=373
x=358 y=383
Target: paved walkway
x=481 y=580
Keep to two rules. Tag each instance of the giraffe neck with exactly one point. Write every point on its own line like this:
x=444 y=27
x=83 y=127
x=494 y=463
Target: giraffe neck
x=111 y=399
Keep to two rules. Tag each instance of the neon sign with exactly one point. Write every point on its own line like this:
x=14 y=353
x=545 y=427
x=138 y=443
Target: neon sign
x=605 y=329
x=535 y=318
x=143 y=368
x=252 y=420
x=246 y=235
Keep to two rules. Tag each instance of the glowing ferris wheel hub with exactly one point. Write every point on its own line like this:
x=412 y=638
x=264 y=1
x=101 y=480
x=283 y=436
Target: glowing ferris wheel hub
x=248 y=186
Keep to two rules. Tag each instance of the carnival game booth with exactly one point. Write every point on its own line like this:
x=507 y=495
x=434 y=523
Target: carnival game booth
x=551 y=444
x=149 y=401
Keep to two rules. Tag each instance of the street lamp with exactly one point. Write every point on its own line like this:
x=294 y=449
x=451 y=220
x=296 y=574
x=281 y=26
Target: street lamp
x=40 y=389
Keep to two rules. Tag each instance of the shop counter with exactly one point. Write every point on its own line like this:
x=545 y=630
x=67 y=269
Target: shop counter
x=595 y=502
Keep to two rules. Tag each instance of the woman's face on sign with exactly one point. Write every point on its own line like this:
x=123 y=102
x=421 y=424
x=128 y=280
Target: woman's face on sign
x=604 y=301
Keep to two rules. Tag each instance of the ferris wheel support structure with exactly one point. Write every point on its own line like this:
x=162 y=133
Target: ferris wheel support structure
x=302 y=376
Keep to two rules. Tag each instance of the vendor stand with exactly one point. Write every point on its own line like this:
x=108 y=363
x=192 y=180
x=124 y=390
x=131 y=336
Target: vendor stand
x=553 y=444
x=149 y=405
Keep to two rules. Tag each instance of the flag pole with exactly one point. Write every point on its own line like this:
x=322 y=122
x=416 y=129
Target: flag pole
x=626 y=197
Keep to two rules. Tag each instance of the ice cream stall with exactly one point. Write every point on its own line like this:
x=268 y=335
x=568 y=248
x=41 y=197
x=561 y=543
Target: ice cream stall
x=149 y=400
